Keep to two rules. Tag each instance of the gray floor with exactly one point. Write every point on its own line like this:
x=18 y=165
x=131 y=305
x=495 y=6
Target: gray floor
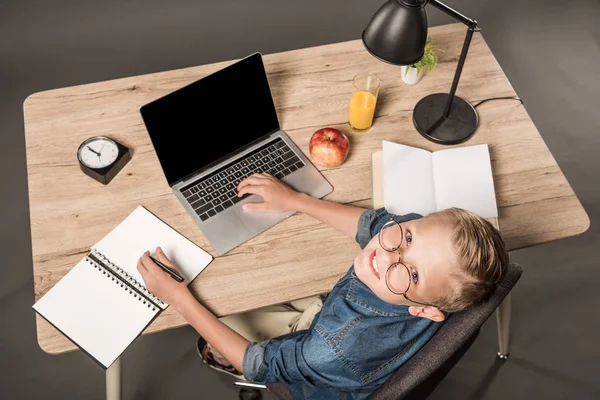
x=550 y=51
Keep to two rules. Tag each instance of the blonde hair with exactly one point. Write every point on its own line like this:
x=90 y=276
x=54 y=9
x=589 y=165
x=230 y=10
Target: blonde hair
x=481 y=255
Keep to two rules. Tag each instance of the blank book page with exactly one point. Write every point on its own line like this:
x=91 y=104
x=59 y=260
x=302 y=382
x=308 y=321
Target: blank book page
x=463 y=178
x=407 y=179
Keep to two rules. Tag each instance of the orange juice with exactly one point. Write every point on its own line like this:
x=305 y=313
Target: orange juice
x=362 y=109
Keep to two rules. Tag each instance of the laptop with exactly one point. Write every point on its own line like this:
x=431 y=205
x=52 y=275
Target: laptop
x=215 y=132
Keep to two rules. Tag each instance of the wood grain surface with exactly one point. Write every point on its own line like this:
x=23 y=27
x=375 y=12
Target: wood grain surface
x=298 y=257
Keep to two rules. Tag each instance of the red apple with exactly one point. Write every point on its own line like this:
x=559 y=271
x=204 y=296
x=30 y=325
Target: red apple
x=328 y=147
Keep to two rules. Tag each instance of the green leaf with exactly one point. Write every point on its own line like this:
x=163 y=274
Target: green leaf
x=430 y=58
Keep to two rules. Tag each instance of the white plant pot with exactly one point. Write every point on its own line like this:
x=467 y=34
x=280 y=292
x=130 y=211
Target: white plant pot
x=409 y=75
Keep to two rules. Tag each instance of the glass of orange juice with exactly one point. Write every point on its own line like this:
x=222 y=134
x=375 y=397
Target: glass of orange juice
x=363 y=101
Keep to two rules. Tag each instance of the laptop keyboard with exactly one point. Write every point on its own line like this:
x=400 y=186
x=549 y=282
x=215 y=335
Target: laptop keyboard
x=217 y=192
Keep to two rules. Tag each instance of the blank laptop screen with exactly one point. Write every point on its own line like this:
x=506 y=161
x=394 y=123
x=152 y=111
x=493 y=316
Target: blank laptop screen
x=205 y=121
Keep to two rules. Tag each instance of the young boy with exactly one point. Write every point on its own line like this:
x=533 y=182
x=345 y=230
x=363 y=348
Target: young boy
x=411 y=272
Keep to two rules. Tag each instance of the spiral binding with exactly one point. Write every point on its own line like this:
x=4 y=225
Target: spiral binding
x=119 y=276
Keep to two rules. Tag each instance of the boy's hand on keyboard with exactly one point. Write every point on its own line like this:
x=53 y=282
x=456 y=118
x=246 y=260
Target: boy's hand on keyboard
x=277 y=196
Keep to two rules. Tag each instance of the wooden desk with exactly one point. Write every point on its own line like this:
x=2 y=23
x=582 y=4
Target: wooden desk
x=300 y=256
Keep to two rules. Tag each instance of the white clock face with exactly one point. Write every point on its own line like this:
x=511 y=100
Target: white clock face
x=98 y=153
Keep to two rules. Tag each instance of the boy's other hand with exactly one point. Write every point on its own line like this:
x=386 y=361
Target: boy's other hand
x=158 y=282
x=277 y=196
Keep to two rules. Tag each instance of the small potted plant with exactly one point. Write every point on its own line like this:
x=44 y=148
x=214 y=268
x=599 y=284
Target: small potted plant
x=412 y=74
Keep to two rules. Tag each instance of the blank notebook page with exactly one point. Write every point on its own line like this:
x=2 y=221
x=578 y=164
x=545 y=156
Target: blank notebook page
x=142 y=231
x=95 y=312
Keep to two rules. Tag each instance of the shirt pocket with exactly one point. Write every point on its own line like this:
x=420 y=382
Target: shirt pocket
x=374 y=347
x=369 y=346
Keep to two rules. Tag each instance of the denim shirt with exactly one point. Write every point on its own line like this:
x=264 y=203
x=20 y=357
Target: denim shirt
x=354 y=343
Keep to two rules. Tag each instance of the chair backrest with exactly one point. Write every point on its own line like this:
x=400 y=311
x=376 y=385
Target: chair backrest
x=454 y=337
x=445 y=348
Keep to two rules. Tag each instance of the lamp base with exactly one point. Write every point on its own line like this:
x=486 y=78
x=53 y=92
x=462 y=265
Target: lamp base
x=428 y=117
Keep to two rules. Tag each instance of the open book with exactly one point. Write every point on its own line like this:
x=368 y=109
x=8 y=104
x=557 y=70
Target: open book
x=408 y=179
x=101 y=304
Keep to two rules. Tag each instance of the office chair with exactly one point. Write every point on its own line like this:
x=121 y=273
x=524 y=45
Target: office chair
x=423 y=372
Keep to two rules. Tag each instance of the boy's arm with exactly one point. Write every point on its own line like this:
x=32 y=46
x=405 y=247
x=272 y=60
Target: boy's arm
x=290 y=359
x=224 y=339
x=277 y=196
x=341 y=217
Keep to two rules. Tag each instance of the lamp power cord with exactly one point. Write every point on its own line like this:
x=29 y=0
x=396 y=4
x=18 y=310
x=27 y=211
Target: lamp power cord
x=499 y=98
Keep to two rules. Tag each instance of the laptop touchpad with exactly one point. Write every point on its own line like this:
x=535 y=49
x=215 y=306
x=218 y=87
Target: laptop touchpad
x=225 y=232
x=258 y=221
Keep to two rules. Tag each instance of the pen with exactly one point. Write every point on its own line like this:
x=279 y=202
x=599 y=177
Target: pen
x=168 y=270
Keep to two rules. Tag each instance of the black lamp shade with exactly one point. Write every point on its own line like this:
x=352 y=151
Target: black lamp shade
x=397 y=32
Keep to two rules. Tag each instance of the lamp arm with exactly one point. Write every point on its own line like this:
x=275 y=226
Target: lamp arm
x=471 y=23
x=472 y=27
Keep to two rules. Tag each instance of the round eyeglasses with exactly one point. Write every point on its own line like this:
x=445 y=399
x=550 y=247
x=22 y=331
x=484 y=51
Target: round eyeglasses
x=398 y=276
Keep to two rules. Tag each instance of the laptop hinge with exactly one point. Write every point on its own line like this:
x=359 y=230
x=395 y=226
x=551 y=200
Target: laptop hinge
x=220 y=160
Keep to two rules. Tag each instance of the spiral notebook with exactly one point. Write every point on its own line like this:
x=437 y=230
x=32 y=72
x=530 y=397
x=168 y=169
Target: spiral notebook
x=101 y=304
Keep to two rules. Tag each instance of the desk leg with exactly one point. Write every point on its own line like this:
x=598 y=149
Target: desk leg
x=503 y=322
x=114 y=379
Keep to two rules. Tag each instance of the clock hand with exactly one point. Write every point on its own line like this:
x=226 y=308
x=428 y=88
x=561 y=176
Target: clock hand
x=93 y=151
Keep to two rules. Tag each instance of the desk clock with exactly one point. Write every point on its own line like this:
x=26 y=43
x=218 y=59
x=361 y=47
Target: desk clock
x=102 y=158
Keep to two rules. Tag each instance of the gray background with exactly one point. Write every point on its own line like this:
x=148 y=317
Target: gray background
x=550 y=51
